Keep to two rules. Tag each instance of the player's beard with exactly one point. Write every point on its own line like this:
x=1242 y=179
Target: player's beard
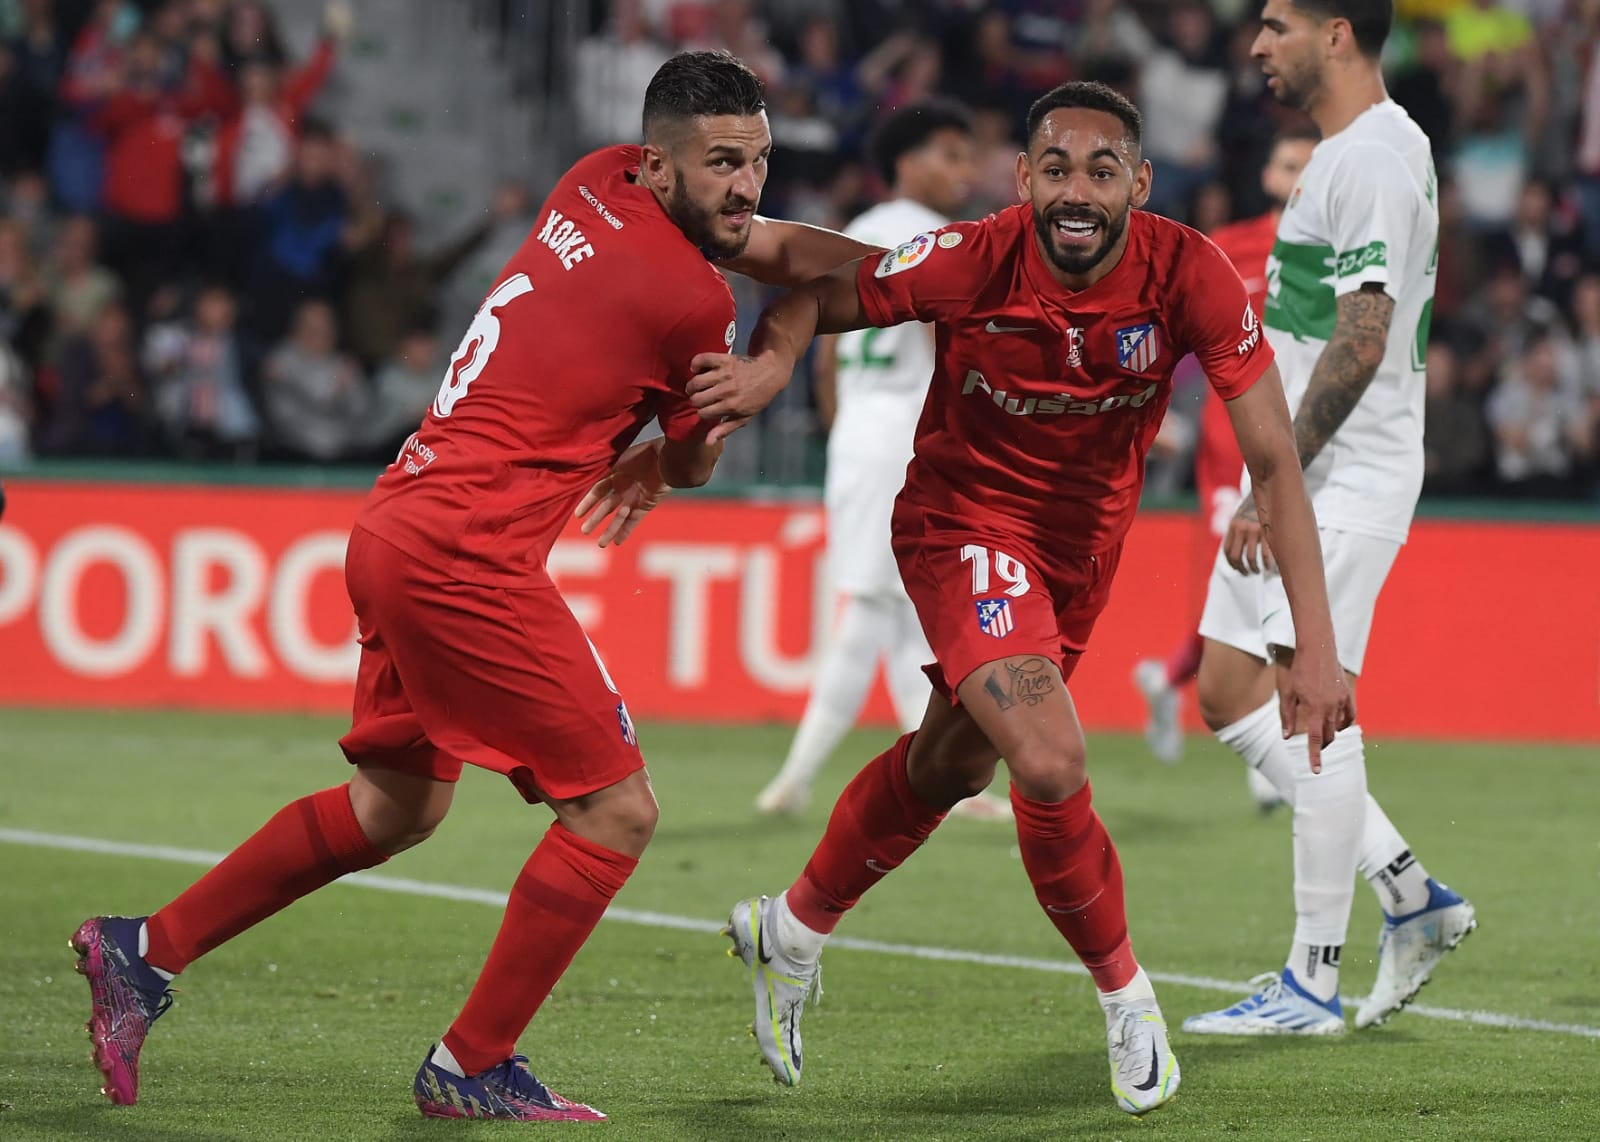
x=1074 y=261
x=1297 y=87
x=702 y=226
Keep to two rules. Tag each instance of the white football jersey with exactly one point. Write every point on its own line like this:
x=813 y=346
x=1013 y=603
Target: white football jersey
x=883 y=378
x=1365 y=210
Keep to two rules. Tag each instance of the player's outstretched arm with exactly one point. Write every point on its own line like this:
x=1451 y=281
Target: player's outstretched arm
x=1317 y=700
x=792 y=253
x=730 y=388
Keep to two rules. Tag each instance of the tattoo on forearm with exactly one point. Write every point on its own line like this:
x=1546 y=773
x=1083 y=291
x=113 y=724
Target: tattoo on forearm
x=1028 y=681
x=1344 y=370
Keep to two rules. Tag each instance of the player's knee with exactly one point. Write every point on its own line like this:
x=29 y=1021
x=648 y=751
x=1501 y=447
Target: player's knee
x=1215 y=698
x=1050 y=771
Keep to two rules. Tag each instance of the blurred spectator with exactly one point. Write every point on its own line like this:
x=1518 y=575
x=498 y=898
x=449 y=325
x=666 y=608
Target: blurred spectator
x=994 y=136
x=393 y=288
x=402 y=392
x=198 y=373
x=77 y=154
x=255 y=144
x=315 y=397
x=24 y=301
x=16 y=410
x=24 y=117
x=80 y=288
x=1543 y=247
x=995 y=76
x=143 y=121
x=1586 y=337
x=1426 y=89
x=1542 y=425
x=1457 y=449
x=303 y=225
x=1182 y=90
x=611 y=72
x=27 y=203
x=735 y=27
x=251 y=36
x=100 y=399
x=1511 y=317
x=464 y=290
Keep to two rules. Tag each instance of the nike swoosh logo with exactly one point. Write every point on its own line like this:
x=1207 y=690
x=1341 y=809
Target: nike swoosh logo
x=993 y=328
x=761 y=942
x=1068 y=910
x=1155 y=1074
x=879 y=868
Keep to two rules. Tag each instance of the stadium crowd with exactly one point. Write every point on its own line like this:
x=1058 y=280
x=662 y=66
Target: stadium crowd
x=192 y=264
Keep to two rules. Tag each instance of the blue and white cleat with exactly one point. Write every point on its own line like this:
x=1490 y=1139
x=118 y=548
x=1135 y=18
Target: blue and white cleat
x=1410 y=947
x=1144 y=1071
x=781 y=986
x=1279 y=1007
x=508 y=1091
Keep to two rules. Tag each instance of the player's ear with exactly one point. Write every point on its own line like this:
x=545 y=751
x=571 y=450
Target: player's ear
x=1142 y=178
x=1024 y=177
x=655 y=167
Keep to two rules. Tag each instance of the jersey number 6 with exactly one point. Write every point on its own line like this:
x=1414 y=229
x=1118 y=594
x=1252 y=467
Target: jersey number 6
x=472 y=355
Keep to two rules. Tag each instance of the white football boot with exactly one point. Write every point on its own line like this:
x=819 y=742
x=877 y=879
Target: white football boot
x=782 y=798
x=1279 y=1007
x=983 y=807
x=781 y=986
x=1162 y=729
x=1144 y=1071
x=1410 y=947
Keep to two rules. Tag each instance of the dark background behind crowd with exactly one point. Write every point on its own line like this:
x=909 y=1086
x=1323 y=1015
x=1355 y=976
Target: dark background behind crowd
x=195 y=263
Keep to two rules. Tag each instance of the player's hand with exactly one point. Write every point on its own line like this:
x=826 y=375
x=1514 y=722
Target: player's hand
x=733 y=388
x=1245 y=545
x=621 y=497
x=1315 y=699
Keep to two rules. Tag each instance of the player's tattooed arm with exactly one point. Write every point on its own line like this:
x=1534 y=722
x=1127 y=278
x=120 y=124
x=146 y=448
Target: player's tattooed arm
x=1345 y=369
x=1025 y=680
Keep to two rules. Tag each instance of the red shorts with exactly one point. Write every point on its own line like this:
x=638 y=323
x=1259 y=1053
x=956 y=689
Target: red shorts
x=983 y=595
x=501 y=678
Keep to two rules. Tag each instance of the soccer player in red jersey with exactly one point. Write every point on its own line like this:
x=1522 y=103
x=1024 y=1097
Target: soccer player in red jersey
x=1217 y=462
x=1057 y=324
x=469 y=655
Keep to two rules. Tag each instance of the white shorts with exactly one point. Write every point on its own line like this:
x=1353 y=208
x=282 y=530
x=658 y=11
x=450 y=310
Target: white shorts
x=1251 y=612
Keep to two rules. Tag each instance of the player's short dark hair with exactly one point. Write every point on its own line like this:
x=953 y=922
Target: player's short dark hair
x=910 y=127
x=1370 y=20
x=1090 y=96
x=691 y=84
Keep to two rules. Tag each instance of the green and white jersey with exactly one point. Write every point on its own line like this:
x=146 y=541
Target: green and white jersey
x=1365 y=210
x=898 y=360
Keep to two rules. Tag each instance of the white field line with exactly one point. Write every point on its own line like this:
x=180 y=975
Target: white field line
x=496 y=899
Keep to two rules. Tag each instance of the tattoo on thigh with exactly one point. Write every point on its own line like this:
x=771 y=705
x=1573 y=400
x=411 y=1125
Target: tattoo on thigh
x=996 y=691
x=1031 y=680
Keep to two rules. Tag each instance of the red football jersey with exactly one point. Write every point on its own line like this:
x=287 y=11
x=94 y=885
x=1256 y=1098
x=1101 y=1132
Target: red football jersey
x=1045 y=400
x=587 y=337
x=1217 y=462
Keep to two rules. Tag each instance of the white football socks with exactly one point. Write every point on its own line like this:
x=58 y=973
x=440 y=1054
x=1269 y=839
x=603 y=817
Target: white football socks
x=843 y=679
x=1386 y=861
x=796 y=942
x=1329 y=817
x=1258 y=739
x=144 y=953
x=1136 y=989
x=1316 y=969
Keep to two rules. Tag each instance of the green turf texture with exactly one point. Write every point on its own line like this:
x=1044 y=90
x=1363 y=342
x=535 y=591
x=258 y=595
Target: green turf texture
x=312 y=1025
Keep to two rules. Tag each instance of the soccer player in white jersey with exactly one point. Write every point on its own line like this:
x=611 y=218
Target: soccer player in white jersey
x=870 y=389
x=1350 y=293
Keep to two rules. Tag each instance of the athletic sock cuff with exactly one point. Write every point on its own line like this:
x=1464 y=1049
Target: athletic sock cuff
x=1266 y=718
x=1053 y=818
x=605 y=870
x=330 y=817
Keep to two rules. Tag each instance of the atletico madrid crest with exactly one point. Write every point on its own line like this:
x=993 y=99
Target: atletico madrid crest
x=994 y=617
x=1138 y=346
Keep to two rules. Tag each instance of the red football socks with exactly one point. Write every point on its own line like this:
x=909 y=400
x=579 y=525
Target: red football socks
x=1077 y=877
x=557 y=900
x=308 y=843
x=1184 y=662
x=877 y=823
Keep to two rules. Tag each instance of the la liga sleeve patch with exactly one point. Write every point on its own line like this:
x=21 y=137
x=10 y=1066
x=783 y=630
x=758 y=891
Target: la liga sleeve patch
x=906 y=255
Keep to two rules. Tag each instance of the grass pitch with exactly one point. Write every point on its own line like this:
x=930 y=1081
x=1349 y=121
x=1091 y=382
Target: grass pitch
x=312 y=1025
